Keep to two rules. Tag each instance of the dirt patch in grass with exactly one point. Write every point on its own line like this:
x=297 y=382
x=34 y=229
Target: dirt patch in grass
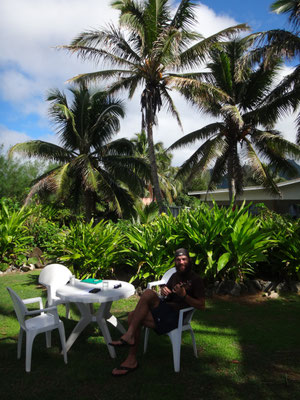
x=258 y=298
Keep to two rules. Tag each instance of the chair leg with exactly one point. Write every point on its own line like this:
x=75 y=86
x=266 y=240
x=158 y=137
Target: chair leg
x=176 y=346
x=29 y=341
x=146 y=338
x=48 y=339
x=68 y=310
x=62 y=335
x=194 y=343
x=20 y=339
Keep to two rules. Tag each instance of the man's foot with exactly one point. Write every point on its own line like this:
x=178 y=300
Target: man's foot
x=120 y=343
x=123 y=370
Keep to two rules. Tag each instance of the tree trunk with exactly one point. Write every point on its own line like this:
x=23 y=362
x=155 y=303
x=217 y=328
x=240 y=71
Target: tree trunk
x=89 y=202
x=153 y=166
x=232 y=176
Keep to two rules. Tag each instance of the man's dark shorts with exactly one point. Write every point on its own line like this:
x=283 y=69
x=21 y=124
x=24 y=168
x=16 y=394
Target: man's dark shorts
x=165 y=317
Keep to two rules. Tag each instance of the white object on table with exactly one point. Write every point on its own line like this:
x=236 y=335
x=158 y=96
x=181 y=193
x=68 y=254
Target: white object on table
x=79 y=293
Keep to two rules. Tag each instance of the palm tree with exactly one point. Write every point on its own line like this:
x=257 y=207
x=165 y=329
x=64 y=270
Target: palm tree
x=246 y=120
x=91 y=166
x=285 y=44
x=149 y=49
x=291 y=7
x=166 y=173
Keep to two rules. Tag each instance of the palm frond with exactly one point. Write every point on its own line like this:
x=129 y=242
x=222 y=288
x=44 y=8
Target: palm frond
x=291 y=7
x=234 y=113
x=275 y=150
x=202 y=157
x=185 y=16
x=39 y=148
x=197 y=53
x=170 y=105
x=261 y=174
x=202 y=133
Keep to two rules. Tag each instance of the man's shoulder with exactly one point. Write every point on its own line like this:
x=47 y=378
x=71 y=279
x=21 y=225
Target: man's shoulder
x=194 y=276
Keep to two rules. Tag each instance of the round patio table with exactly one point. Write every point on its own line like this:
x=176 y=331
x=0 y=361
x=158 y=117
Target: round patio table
x=79 y=293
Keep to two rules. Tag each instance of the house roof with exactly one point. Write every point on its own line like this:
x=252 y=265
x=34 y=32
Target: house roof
x=290 y=190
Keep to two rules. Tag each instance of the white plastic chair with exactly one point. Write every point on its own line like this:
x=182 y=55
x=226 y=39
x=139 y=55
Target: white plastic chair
x=167 y=275
x=45 y=321
x=54 y=276
x=184 y=324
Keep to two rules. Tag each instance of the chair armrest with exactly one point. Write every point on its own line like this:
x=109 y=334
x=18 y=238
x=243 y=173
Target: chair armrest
x=155 y=283
x=34 y=300
x=51 y=310
x=181 y=315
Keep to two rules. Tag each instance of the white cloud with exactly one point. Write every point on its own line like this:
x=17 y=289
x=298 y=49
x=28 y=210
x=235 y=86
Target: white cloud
x=30 y=65
x=209 y=22
x=10 y=137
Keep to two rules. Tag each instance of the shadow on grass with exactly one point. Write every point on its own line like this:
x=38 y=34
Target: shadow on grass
x=245 y=351
x=249 y=351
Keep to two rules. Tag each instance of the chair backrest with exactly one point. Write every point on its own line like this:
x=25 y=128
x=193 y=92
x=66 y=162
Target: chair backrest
x=167 y=275
x=19 y=306
x=54 y=276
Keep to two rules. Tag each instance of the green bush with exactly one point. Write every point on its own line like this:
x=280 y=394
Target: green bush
x=283 y=256
x=224 y=242
x=15 y=240
x=151 y=247
x=44 y=226
x=90 y=251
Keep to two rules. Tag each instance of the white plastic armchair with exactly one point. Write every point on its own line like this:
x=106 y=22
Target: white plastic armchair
x=167 y=275
x=54 y=276
x=43 y=320
x=184 y=324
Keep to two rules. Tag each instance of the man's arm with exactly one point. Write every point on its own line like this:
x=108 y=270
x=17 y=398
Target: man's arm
x=198 y=303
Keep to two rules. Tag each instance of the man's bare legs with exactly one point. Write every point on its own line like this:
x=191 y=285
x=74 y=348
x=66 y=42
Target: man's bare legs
x=136 y=319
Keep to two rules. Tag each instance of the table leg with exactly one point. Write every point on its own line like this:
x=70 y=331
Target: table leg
x=101 y=320
x=86 y=318
x=116 y=323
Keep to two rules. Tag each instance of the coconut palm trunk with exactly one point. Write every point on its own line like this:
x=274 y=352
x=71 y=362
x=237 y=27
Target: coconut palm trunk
x=154 y=174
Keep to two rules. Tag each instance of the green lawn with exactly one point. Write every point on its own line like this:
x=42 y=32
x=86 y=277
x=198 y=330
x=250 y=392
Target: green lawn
x=247 y=350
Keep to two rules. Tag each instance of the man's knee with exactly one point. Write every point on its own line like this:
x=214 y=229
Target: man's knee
x=130 y=316
x=149 y=294
x=150 y=298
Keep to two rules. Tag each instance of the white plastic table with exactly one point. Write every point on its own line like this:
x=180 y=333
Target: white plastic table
x=78 y=293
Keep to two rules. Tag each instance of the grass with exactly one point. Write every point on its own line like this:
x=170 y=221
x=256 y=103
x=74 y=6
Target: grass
x=247 y=350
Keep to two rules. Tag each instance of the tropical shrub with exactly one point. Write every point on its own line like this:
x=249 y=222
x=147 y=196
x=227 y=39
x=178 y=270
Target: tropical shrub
x=283 y=256
x=90 y=250
x=151 y=247
x=15 y=240
x=43 y=232
x=225 y=242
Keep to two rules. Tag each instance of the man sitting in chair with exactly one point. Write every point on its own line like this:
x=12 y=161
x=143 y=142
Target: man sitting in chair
x=184 y=289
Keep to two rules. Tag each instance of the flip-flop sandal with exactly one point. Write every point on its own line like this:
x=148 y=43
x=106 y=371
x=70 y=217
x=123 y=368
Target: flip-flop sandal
x=121 y=344
x=122 y=368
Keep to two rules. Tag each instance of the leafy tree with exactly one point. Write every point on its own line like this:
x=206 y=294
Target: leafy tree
x=91 y=166
x=166 y=173
x=285 y=44
x=149 y=49
x=246 y=119
x=16 y=176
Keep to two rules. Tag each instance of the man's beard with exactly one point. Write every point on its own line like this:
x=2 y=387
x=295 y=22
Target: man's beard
x=186 y=271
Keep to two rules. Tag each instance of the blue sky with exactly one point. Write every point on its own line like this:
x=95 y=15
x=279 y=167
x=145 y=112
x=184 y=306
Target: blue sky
x=30 y=65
